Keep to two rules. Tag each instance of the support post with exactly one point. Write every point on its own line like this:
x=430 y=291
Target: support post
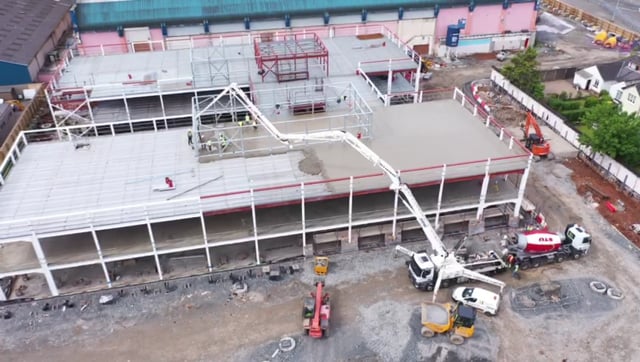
x=521 y=188
x=417 y=85
x=164 y=112
x=389 y=82
x=44 y=266
x=206 y=242
x=3 y=297
x=440 y=192
x=255 y=225
x=88 y=100
x=511 y=143
x=350 y=205
x=126 y=106
x=395 y=214
x=96 y=241
x=483 y=190
x=153 y=247
x=304 y=222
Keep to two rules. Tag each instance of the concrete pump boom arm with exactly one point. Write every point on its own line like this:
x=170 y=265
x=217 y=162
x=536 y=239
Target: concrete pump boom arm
x=396 y=184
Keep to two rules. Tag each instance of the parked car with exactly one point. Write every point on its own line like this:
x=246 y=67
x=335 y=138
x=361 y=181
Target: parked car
x=478 y=298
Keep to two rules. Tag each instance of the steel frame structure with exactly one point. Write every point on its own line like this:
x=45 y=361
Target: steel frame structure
x=287 y=56
x=345 y=108
x=149 y=214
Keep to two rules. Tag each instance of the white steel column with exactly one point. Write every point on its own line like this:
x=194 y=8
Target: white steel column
x=126 y=106
x=100 y=255
x=389 y=82
x=417 y=85
x=304 y=220
x=395 y=213
x=2 y=296
x=440 y=192
x=255 y=225
x=164 y=112
x=483 y=190
x=523 y=185
x=206 y=242
x=153 y=247
x=86 y=97
x=350 y=205
x=44 y=266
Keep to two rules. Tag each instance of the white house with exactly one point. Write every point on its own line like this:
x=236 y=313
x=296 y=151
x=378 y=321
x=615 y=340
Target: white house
x=610 y=77
x=630 y=99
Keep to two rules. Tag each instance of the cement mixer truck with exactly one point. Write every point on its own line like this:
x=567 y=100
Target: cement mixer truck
x=534 y=248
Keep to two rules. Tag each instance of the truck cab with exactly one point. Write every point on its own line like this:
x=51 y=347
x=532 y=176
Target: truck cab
x=577 y=237
x=421 y=271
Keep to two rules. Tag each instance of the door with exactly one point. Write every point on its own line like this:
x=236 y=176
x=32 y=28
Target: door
x=588 y=84
x=422 y=49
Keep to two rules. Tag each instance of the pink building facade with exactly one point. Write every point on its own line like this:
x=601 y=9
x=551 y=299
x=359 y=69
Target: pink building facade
x=491 y=19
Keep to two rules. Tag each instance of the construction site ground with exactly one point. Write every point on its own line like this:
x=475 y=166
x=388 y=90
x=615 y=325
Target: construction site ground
x=375 y=309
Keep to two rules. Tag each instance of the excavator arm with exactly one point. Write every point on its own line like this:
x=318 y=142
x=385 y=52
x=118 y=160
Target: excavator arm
x=531 y=122
x=442 y=260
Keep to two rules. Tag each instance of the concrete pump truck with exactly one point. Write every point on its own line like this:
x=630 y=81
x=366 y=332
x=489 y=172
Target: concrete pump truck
x=444 y=266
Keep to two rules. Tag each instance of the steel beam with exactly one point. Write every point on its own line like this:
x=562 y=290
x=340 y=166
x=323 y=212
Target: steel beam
x=304 y=232
x=440 y=192
x=483 y=190
x=44 y=266
x=255 y=225
x=206 y=249
x=395 y=213
x=155 y=251
x=96 y=241
x=350 y=206
x=3 y=297
x=523 y=185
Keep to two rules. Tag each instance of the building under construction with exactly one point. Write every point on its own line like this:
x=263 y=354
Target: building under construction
x=152 y=167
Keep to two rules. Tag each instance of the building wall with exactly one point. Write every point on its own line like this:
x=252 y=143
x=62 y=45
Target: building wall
x=629 y=95
x=417 y=31
x=14 y=74
x=484 y=20
x=487 y=19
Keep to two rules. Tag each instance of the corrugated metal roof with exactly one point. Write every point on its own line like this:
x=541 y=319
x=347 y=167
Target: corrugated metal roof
x=106 y=14
x=25 y=25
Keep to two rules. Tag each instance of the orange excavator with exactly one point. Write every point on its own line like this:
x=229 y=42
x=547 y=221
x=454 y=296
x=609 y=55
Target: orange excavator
x=535 y=142
x=316 y=312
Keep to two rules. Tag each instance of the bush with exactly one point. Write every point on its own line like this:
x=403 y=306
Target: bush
x=564 y=95
x=555 y=103
x=571 y=105
x=574 y=116
x=591 y=101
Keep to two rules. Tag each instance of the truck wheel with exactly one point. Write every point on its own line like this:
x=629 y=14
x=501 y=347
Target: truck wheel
x=429 y=288
x=524 y=265
x=426 y=332
x=445 y=284
x=536 y=264
x=560 y=258
x=576 y=256
x=456 y=339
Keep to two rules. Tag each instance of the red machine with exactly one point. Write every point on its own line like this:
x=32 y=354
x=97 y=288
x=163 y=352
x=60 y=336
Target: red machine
x=316 y=312
x=535 y=142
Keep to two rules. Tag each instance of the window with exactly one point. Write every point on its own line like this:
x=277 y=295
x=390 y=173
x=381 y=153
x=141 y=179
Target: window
x=596 y=83
x=618 y=95
x=631 y=98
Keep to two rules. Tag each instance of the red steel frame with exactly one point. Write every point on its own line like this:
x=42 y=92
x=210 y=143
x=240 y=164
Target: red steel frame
x=270 y=63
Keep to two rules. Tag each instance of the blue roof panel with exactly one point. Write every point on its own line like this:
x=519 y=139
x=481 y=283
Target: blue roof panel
x=110 y=14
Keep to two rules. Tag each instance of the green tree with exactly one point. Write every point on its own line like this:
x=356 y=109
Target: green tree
x=615 y=134
x=522 y=71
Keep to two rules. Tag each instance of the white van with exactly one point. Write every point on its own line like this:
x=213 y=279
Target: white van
x=481 y=299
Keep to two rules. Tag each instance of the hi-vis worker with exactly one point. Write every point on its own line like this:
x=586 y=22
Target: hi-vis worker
x=223 y=141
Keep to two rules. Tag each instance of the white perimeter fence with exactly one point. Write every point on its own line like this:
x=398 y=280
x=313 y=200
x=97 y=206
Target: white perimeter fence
x=613 y=170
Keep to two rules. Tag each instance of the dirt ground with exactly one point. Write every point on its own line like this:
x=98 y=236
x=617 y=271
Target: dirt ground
x=597 y=191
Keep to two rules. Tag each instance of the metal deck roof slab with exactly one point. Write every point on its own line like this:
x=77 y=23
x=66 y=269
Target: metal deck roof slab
x=345 y=53
x=422 y=135
x=109 y=72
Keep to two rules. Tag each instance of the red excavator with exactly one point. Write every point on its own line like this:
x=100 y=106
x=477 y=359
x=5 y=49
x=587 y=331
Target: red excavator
x=315 y=313
x=535 y=142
